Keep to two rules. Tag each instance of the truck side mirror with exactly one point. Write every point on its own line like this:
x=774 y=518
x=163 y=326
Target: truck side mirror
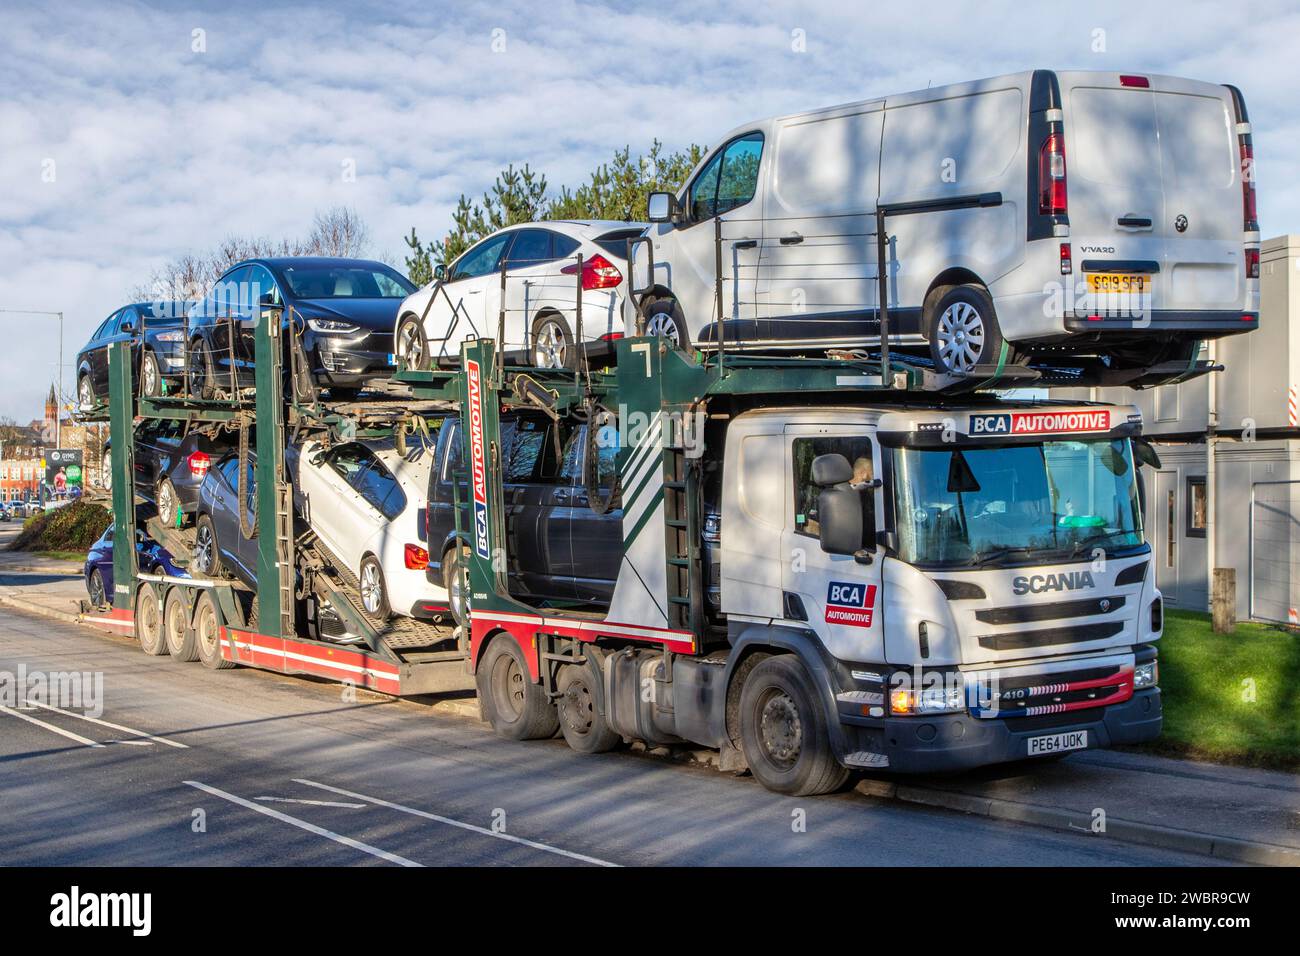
x=661 y=207
x=839 y=518
x=1145 y=453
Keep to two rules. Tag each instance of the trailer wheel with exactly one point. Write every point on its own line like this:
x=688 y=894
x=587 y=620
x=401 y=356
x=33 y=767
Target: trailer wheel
x=149 y=620
x=963 y=330
x=207 y=633
x=783 y=730
x=514 y=706
x=584 y=729
x=176 y=626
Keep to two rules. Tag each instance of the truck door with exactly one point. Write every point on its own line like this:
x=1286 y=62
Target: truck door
x=596 y=540
x=838 y=596
x=537 y=502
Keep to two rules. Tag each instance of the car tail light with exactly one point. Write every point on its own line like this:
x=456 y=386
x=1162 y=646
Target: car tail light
x=1051 y=176
x=1141 y=82
x=1067 y=259
x=1251 y=219
x=597 y=273
x=611 y=336
x=199 y=463
x=1252 y=263
x=417 y=559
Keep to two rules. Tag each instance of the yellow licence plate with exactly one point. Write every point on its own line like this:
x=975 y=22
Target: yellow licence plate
x=1118 y=282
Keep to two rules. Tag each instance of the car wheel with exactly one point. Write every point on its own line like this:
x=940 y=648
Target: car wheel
x=411 y=345
x=963 y=331
x=584 y=728
x=169 y=505
x=202 y=371
x=552 y=343
x=207 y=634
x=514 y=706
x=181 y=641
x=149 y=620
x=95 y=587
x=207 y=557
x=374 y=592
x=664 y=319
x=106 y=470
x=453 y=579
x=85 y=394
x=150 y=375
x=784 y=732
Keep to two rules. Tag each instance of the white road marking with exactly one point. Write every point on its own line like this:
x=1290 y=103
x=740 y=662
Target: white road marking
x=304 y=825
x=456 y=823
x=50 y=727
x=314 y=803
x=105 y=723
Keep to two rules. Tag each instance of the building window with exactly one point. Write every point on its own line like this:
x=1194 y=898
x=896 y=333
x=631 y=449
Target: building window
x=1171 y=528
x=1197 y=507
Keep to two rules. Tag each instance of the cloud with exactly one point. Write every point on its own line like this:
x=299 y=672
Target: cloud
x=159 y=150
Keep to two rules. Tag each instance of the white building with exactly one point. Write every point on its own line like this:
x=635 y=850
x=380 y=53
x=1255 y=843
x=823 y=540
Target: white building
x=1229 y=446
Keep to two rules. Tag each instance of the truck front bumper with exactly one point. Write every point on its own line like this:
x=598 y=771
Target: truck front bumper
x=951 y=742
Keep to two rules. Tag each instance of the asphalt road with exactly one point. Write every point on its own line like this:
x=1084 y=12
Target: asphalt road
x=249 y=768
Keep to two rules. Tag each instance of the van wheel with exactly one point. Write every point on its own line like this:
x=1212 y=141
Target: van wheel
x=374 y=592
x=963 y=330
x=207 y=558
x=584 y=729
x=783 y=730
x=664 y=318
x=149 y=621
x=552 y=343
x=207 y=634
x=453 y=579
x=169 y=504
x=150 y=375
x=411 y=346
x=514 y=706
x=176 y=626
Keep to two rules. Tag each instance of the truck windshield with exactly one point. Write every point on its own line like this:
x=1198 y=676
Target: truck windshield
x=1015 y=503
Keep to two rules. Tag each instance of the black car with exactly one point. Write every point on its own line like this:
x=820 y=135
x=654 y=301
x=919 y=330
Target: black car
x=345 y=308
x=170 y=462
x=157 y=353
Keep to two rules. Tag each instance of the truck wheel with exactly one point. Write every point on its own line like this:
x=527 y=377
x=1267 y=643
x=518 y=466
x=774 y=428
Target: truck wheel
x=963 y=330
x=176 y=625
x=169 y=503
x=207 y=634
x=783 y=730
x=207 y=558
x=149 y=621
x=584 y=729
x=453 y=579
x=374 y=592
x=514 y=706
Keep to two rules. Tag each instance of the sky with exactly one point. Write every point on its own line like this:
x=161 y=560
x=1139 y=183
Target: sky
x=131 y=133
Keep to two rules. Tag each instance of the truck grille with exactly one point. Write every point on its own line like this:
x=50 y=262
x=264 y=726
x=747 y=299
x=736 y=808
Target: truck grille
x=1045 y=695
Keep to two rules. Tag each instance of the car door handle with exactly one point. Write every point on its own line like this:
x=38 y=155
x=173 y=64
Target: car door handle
x=746 y=244
x=1134 y=222
x=791 y=240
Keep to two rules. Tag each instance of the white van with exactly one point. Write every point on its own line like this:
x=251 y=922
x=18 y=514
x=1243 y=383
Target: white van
x=1100 y=214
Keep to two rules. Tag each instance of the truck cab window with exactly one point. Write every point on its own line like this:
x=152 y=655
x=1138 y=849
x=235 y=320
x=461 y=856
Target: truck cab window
x=857 y=450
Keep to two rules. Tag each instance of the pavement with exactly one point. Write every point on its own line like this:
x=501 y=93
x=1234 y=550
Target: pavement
x=277 y=760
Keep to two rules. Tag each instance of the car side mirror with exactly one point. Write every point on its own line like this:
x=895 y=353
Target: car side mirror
x=128 y=326
x=440 y=272
x=662 y=207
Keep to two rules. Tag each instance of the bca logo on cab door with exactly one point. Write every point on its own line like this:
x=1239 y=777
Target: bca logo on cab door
x=850 y=603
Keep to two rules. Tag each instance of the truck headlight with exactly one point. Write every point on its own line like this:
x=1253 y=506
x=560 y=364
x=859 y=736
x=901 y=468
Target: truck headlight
x=1146 y=675
x=930 y=700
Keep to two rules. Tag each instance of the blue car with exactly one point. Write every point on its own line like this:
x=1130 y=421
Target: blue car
x=151 y=556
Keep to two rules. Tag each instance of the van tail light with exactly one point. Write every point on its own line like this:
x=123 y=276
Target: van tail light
x=417 y=559
x=1067 y=259
x=597 y=273
x=1252 y=263
x=1251 y=219
x=1051 y=176
x=199 y=463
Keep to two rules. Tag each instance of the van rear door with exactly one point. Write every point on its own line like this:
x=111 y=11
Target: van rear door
x=1154 y=190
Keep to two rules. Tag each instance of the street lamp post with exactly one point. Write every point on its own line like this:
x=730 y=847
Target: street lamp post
x=58 y=418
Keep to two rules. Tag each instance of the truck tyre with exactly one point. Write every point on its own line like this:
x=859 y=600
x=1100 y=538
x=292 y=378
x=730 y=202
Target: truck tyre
x=207 y=633
x=783 y=730
x=207 y=556
x=176 y=625
x=584 y=729
x=963 y=330
x=514 y=706
x=453 y=579
x=149 y=620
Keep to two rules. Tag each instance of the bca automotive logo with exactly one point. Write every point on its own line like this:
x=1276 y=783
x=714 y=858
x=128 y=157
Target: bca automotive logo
x=477 y=459
x=850 y=603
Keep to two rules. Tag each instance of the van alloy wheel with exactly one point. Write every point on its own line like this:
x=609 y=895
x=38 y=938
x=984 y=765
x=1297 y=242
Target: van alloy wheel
x=664 y=325
x=961 y=336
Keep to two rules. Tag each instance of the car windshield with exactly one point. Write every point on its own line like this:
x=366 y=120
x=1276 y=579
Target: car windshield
x=981 y=506
x=346 y=282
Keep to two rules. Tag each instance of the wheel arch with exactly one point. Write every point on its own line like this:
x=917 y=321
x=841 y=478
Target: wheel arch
x=955 y=276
